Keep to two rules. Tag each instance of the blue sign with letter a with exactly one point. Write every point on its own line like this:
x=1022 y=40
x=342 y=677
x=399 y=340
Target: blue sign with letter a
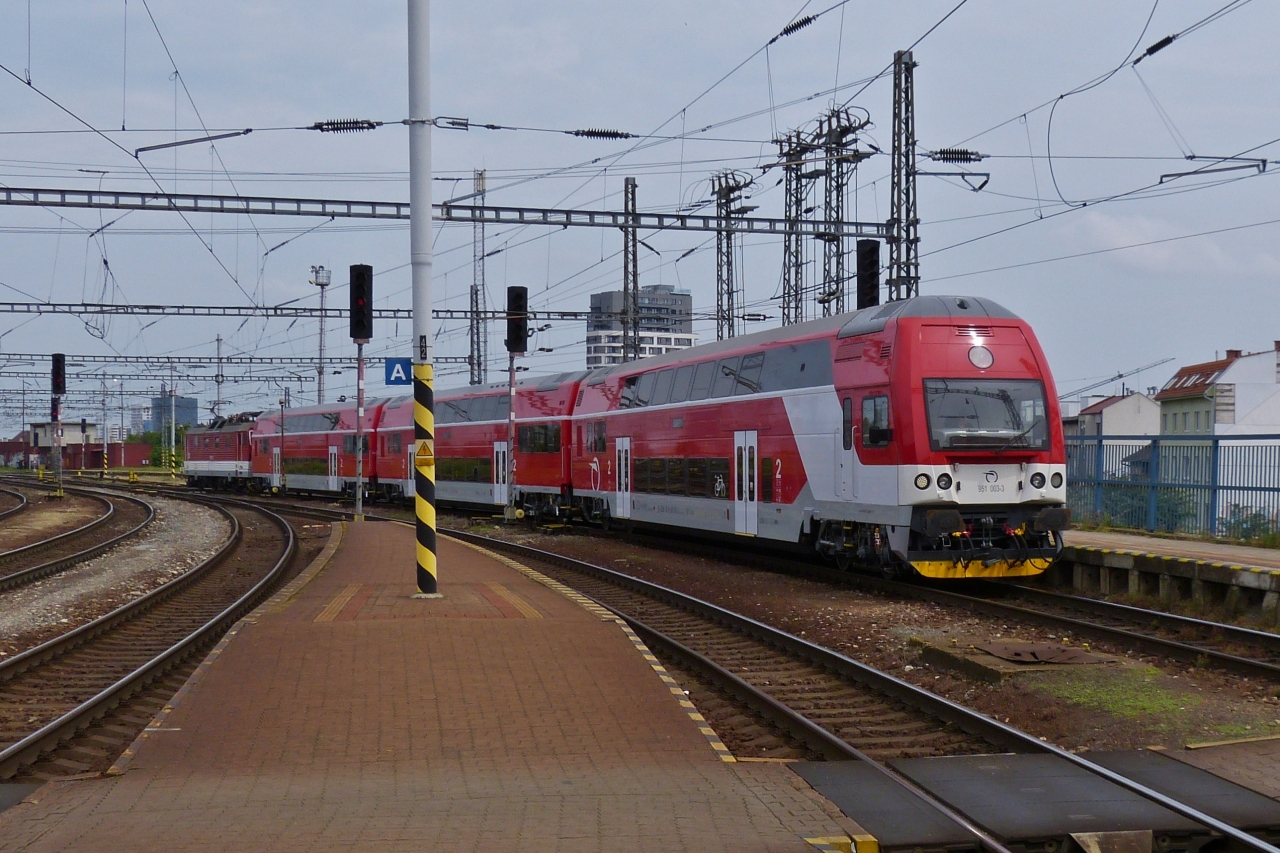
x=399 y=371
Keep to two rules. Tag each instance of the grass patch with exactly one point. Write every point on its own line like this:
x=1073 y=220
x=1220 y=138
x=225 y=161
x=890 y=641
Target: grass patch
x=1134 y=692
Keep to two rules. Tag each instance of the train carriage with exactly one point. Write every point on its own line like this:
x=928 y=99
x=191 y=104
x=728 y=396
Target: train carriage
x=219 y=456
x=316 y=449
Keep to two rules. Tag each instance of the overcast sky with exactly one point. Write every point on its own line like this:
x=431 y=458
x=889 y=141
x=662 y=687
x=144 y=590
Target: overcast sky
x=987 y=78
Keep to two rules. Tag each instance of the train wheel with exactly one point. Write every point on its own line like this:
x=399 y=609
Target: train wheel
x=844 y=561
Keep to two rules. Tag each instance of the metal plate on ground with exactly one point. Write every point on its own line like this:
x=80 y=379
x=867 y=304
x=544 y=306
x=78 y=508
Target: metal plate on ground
x=1022 y=797
x=897 y=818
x=1022 y=652
x=1200 y=789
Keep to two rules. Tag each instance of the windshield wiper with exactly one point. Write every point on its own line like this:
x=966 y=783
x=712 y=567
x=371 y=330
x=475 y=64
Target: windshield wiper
x=1020 y=435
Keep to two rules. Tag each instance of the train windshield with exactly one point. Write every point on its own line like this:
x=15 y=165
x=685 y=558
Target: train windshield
x=986 y=414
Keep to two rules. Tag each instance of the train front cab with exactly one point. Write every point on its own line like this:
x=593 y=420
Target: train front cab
x=950 y=423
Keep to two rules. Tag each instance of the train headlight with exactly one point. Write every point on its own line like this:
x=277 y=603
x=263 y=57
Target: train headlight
x=922 y=481
x=944 y=481
x=1037 y=480
x=981 y=357
x=1056 y=479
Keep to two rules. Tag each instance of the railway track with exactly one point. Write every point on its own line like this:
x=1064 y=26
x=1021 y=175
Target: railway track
x=53 y=691
x=19 y=503
x=126 y=517
x=838 y=707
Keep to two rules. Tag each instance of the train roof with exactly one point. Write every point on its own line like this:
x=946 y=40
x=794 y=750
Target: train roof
x=846 y=325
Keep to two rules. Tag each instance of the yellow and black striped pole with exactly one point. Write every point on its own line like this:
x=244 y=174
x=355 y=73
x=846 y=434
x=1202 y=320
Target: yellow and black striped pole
x=419 y=122
x=424 y=476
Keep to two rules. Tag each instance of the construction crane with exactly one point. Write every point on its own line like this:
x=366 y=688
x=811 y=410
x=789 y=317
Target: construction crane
x=1116 y=378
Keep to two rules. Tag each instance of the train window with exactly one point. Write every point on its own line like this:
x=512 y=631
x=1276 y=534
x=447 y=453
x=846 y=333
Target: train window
x=702 y=380
x=596 y=437
x=726 y=377
x=675 y=477
x=395 y=443
x=846 y=425
x=662 y=388
x=738 y=468
x=448 y=412
x=263 y=445
x=628 y=398
x=697 y=477
x=484 y=409
x=657 y=476
x=806 y=365
x=749 y=374
x=644 y=389
x=539 y=438
x=640 y=476
x=875 y=421
x=766 y=480
x=680 y=386
x=349 y=445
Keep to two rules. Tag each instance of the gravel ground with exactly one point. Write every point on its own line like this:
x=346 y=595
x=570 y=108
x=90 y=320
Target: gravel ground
x=182 y=535
x=1135 y=702
x=44 y=518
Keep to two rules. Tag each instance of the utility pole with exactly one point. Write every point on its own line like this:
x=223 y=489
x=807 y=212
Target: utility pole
x=479 y=327
x=320 y=277
x=727 y=187
x=630 y=276
x=837 y=136
x=904 y=239
x=424 y=425
x=173 y=427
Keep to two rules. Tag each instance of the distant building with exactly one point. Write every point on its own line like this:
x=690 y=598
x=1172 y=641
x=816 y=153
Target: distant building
x=186 y=412
x=1133 y=413
x=139 y=419
x=1237 y=395
x=666 y=323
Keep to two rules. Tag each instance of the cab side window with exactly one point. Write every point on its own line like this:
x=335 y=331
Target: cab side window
x=875 y=421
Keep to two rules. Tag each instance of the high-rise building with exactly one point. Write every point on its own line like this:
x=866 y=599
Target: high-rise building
x=185 y=412
x=666 y=323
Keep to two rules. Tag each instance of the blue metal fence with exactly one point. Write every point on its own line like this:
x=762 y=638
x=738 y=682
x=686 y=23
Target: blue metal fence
x=1217 y=485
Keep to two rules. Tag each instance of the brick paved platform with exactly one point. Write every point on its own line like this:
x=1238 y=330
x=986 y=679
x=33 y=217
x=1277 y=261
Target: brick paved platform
x=353 y=717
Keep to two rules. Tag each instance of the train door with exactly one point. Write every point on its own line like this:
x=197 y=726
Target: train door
x=409 y=488
x=332 y=483
x=844 y=451
x=622 y=462
x=746 y=481
x=275 y=467
x=500 y=473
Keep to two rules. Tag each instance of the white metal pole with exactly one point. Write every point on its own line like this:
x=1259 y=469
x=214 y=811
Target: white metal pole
x=424 y=472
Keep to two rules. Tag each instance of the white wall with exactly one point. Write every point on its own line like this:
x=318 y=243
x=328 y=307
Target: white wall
x=1257 y=395
x=1136 y=414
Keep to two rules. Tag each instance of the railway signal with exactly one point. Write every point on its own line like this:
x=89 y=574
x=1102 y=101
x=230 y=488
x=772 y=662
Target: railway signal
x=59 y=373
x=517 y=319
x=361 y=302
x=59 y=385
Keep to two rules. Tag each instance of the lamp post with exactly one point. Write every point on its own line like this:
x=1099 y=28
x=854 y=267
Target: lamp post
x=321 y=277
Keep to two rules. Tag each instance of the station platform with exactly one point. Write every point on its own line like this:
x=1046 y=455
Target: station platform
x=346 y=715
x=1238 y=577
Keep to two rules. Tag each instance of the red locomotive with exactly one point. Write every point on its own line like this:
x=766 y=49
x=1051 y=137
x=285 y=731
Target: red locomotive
x=918 y=436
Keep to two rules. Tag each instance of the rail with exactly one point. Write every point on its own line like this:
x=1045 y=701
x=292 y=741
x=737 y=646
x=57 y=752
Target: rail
x=945 y=709
x=14 y=510
x=49 y=736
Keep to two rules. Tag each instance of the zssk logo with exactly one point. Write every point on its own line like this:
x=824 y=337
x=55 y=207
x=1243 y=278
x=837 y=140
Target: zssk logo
x=992 y=476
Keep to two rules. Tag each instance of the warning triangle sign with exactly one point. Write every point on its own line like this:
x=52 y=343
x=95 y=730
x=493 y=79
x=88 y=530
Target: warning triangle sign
x=424 y=456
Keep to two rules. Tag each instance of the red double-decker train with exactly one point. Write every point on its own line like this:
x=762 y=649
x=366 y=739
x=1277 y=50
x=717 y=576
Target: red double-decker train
x=922 y=436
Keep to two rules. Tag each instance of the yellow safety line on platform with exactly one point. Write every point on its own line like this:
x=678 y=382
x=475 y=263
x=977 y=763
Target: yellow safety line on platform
x=339 y=601
x=525 y=608
x=608 y=616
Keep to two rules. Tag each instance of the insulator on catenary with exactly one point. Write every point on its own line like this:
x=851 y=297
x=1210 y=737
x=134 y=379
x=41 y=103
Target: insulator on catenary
x=794 y=26
x=956 y=155
x=345 y=125
x=600 y=133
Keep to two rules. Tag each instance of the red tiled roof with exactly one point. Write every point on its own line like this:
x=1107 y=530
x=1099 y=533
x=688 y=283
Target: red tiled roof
x=1194 y=379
